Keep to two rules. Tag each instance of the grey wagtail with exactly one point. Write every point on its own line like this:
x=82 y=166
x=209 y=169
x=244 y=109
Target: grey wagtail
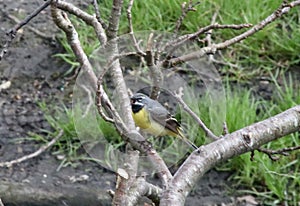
x=153 y=118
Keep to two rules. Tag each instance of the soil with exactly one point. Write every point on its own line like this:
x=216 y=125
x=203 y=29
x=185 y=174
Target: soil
x=36 y=76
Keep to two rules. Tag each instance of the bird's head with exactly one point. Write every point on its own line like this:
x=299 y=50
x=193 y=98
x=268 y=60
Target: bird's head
x=138 y=101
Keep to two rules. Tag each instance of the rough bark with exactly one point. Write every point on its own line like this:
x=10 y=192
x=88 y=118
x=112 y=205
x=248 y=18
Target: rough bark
x=234 y=144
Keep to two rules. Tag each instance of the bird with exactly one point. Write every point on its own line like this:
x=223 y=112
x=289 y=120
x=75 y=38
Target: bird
x=153 y=118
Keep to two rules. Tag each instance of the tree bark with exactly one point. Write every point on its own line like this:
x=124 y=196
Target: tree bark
x=234 y=144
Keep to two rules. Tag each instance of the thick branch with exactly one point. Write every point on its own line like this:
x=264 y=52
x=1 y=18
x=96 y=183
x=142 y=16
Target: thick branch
x=142 y=145
x=120 y=87
x=114 y=20
x=126 y=178
x=62 y=22
x=142 y=188
x=116 y=72
x=236 y=143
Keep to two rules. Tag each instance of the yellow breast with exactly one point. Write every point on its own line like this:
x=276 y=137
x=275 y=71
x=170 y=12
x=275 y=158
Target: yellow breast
x=141 y=119
x=144 y=121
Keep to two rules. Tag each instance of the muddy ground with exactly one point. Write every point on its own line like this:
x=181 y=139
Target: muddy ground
x=36 y=76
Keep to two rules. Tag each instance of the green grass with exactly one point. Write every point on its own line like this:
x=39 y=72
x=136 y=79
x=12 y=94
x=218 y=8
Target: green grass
x=269 y=52
x=272 y=181
x=276 y=46
x=68 y=147
x=71 y=146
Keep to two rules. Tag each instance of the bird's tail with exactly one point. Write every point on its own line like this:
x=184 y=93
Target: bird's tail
x=185 y=139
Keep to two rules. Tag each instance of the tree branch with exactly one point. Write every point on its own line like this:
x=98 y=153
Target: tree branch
x=283 y=152
x=98 y=15
x=175 y=44
x=154 y=67
x=131 y=33
x=12 y=32
x=142 y=188
x=141 y=145
x=87 y=18
x=62 y=22
x=184 y=11
x=126 y=178
x=201 y=124
x=236 y=143
x=283 y=9
x=32 y=29
x=25 y=21
x=34 y=154
x=114 y=20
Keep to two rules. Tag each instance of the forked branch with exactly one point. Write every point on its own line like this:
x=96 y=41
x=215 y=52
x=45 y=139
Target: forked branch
x=283 y=9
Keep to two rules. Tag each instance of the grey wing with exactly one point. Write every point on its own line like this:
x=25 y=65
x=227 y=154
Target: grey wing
x=158 y=112
x=161 y=115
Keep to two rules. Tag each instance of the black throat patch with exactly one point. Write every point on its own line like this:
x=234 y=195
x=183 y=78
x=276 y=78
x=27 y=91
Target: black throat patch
x=136 y=107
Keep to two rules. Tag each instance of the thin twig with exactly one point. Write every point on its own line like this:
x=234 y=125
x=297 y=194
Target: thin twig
x=183 y=39
x=184 y=11
x=34 y=154
x=99 y=97
x=207 y=131
x=129 y=16
x=283 y=9
x=98 y=15
x=34 y=30
x=283 y=152
x=225 y=129
x=154 y=68
x=209 y=33
x=11 y=34
x=131 y=33
x=177 y=43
